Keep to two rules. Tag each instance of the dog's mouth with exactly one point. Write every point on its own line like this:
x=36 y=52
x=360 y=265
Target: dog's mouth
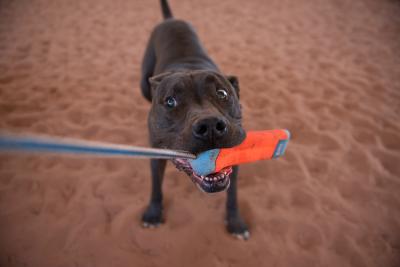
x=212 y=183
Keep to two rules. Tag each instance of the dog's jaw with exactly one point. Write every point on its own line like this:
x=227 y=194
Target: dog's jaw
x=212 y=183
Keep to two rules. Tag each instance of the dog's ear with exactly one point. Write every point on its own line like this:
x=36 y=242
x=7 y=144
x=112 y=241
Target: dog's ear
x=235 y=83
x=156 y=80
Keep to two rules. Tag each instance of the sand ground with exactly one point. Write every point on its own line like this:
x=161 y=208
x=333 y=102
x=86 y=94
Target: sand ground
x=327 y=70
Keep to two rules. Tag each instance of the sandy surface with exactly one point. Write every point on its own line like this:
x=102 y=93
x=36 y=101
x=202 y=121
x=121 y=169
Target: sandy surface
x=327 y=70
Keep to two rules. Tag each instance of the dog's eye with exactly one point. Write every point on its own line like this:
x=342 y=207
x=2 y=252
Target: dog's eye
x=170 y=102
x=222 y=94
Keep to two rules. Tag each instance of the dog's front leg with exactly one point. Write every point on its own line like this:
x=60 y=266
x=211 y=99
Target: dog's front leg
x=152 y=217
x=235 y=223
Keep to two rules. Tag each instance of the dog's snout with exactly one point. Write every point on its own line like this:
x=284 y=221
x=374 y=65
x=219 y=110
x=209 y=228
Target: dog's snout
x=208 y=128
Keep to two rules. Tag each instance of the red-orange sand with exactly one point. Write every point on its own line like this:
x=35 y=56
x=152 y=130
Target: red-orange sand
x=327 y=70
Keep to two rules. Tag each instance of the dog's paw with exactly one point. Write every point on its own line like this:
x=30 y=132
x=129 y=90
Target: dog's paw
x=152 y=217
x=238 y=228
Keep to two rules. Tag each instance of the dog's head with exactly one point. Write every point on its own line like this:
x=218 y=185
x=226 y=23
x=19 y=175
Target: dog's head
x=196 y=111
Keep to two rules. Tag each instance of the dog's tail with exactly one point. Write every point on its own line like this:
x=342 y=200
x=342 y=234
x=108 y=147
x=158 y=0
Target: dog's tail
x=166 y=10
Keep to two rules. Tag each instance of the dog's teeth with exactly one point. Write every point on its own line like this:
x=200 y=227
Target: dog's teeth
x=215 y=179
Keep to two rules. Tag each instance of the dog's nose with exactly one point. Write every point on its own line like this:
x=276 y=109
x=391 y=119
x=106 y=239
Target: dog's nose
x=208 y=128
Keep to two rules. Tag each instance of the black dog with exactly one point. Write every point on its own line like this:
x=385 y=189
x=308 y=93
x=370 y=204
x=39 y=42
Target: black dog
x=194 y=108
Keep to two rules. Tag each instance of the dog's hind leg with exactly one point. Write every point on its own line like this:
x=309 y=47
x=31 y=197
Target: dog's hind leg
x=235 y=224
x=152 y=217
x=148 y=64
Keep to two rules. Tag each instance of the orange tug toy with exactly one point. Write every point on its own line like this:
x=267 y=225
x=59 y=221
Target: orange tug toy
x=258 y=145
